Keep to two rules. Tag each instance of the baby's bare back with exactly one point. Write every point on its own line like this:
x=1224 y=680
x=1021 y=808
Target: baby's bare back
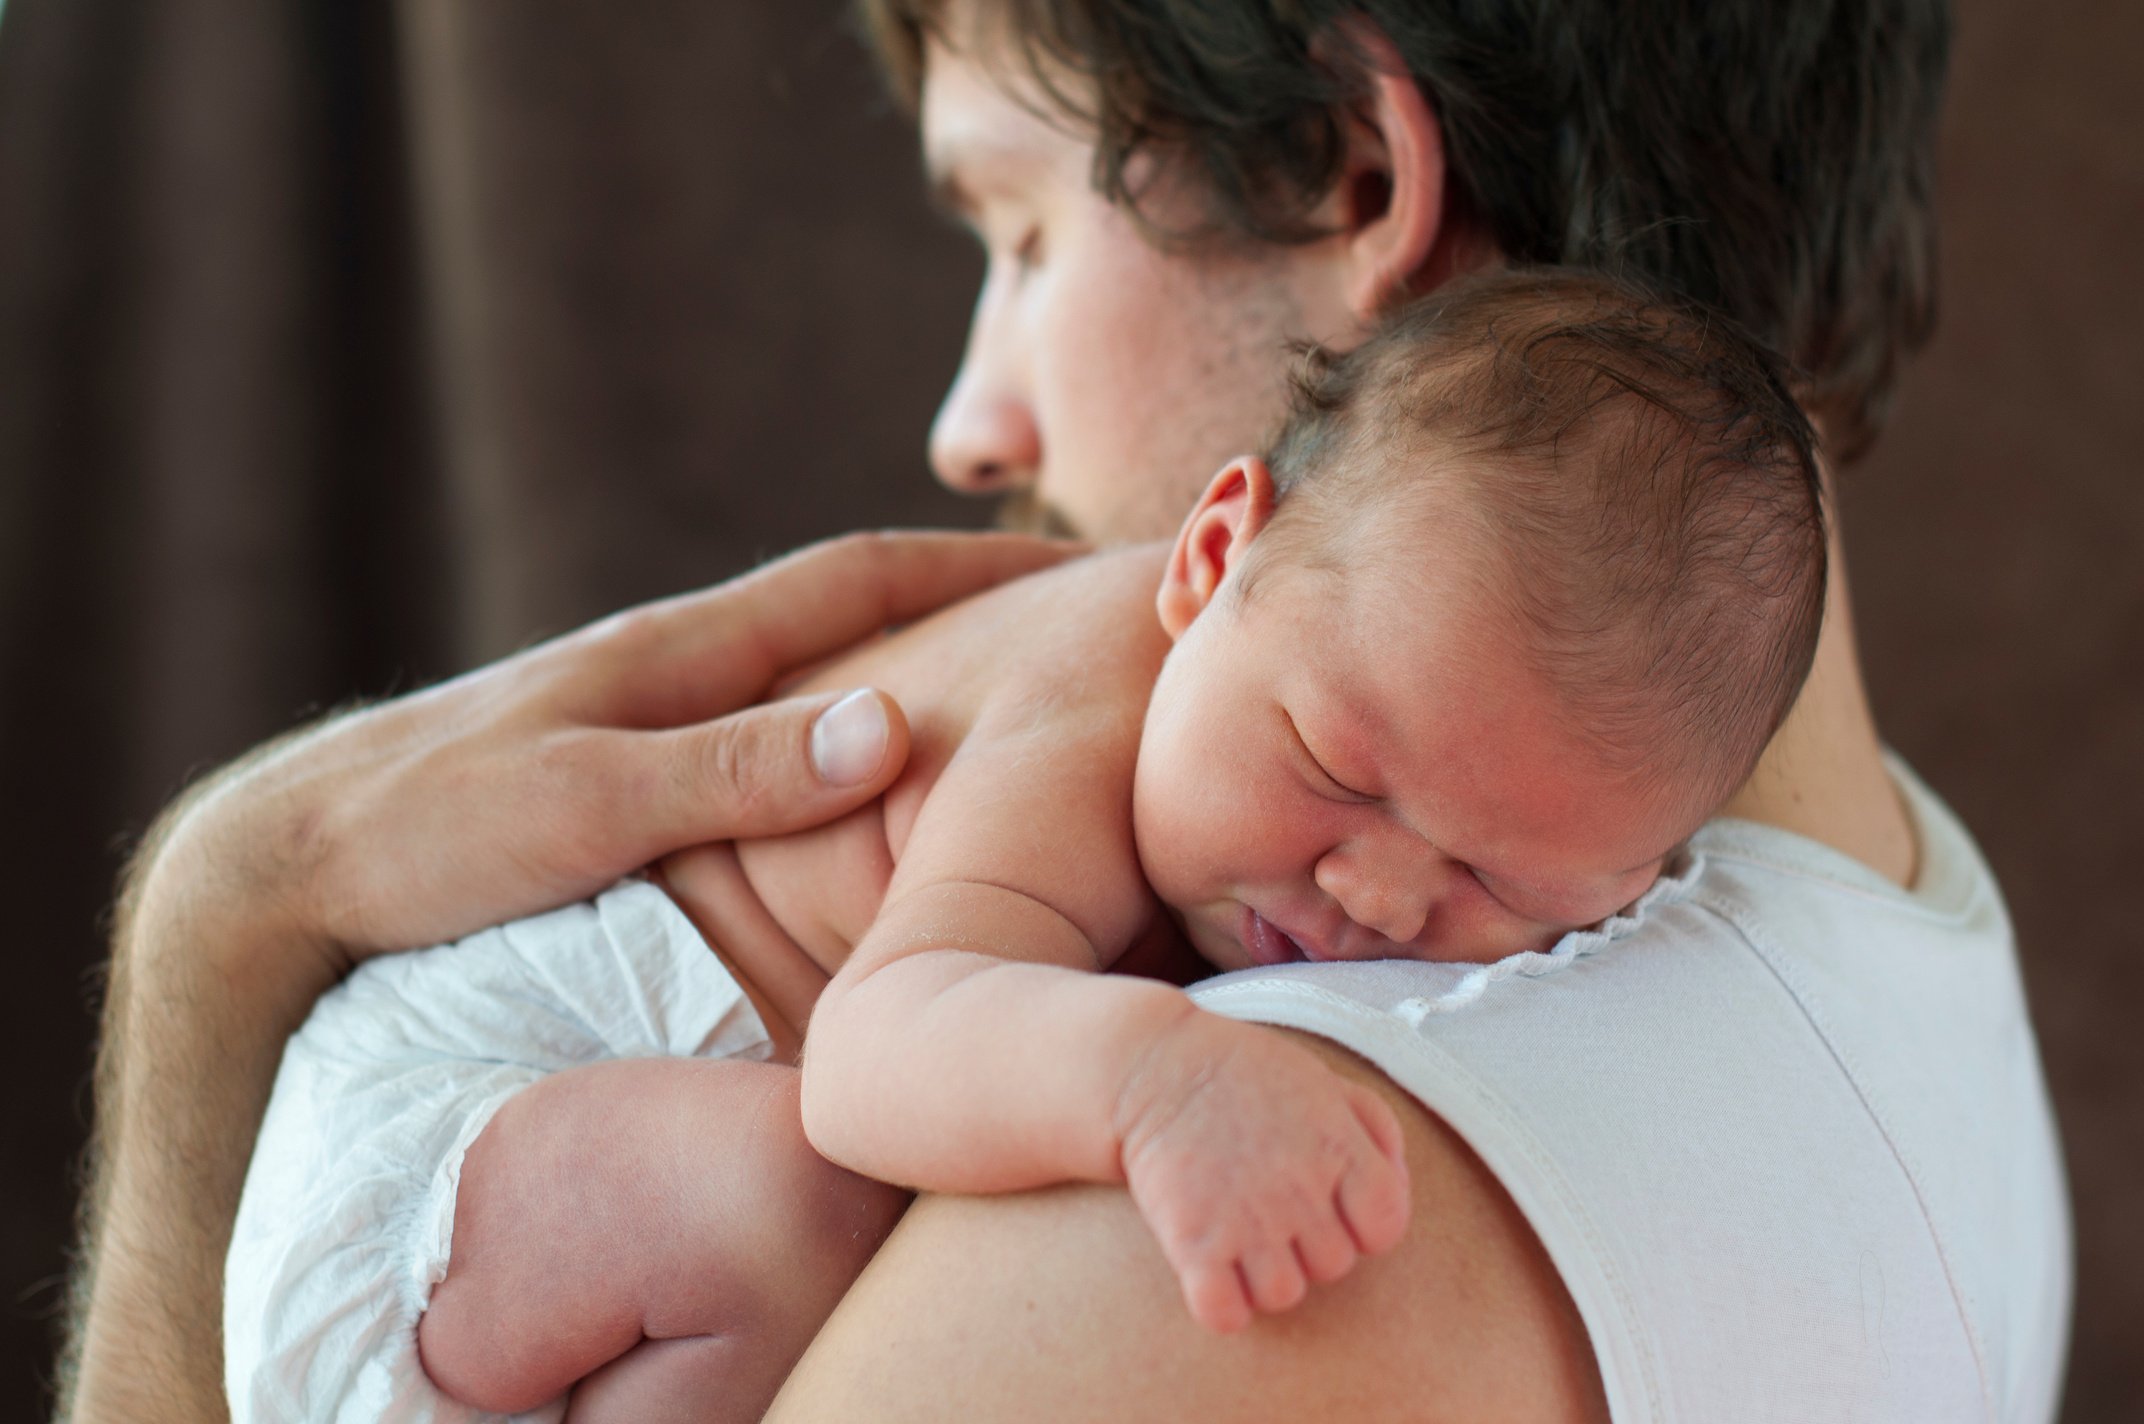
x=1075 y=649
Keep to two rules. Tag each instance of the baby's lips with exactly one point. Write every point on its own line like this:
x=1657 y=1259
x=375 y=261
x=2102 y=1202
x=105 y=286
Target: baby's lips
x=1266 y=942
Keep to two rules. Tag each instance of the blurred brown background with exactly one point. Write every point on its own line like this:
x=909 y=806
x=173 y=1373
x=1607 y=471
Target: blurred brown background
x=343 y=346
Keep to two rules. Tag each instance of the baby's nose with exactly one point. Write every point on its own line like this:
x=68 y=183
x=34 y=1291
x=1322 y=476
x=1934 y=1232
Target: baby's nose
x=1387 y=895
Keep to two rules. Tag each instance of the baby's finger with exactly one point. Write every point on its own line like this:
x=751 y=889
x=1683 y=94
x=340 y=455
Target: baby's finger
x=1377 y=1119
x=1326 y=1251
x=1273 y=1278
x=1373 y=1204
x=1216 y=1297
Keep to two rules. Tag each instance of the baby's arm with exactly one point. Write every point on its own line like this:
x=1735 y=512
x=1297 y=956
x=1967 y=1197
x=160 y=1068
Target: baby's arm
x=967 y=1046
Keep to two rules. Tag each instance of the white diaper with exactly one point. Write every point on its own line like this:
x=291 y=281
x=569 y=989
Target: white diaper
x=348 y=1212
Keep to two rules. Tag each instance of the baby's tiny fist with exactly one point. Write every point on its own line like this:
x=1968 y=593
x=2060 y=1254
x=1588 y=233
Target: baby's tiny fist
x=1262 y=1173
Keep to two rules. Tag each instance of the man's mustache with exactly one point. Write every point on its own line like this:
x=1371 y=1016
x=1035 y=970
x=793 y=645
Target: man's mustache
x=1025 y=512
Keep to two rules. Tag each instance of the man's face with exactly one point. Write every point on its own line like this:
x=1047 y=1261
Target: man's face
x=1105 y=378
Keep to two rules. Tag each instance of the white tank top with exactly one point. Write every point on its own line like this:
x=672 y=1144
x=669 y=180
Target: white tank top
x=1781 y=1127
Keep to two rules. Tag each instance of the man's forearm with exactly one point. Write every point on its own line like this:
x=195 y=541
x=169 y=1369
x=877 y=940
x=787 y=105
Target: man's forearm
x=204 y=988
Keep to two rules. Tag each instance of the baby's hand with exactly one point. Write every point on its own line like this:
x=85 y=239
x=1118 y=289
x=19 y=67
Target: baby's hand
x=1258 y=1168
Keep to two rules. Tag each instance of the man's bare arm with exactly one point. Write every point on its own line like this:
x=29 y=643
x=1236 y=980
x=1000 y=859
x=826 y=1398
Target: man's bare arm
x=183 y=1066
x=1055 y=1307
x=525 y=785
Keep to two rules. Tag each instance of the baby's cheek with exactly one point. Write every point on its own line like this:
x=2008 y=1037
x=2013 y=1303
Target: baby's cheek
x=1497 y=930
x=1169 y=845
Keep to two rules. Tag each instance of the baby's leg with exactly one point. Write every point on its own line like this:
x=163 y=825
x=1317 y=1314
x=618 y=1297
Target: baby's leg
x=657 y=1226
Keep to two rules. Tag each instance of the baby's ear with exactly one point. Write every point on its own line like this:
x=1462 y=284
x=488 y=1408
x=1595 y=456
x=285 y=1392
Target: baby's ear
x=1234 y=510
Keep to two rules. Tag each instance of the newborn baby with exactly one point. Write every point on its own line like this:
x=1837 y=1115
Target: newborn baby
x=1506 y=612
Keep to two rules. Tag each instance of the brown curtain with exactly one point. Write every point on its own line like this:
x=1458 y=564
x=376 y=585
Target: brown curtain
x=345 y=345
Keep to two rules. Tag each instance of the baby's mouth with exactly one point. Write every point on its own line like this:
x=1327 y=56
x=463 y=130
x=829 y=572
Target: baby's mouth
x=1266 y=942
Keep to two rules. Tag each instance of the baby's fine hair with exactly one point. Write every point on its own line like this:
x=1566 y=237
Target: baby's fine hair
x=1635 y=477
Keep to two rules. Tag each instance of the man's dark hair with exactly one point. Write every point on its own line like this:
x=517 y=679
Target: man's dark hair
x=1770 y=158
x=1626 y=477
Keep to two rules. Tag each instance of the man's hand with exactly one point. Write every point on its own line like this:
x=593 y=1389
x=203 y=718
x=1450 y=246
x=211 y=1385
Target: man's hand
x=542 y=778
x=1260 y=1170
x=521 y=786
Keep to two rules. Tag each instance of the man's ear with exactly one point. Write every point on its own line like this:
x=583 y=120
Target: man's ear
x=1389 y=207
x=1234 y=510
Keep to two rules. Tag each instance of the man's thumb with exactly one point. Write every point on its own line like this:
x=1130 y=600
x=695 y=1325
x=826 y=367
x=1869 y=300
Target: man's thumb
x=850 y=740
x=779 y=767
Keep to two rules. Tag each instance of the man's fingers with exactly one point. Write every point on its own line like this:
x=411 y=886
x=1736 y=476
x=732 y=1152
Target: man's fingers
x=866 y=581
x=702 y=654
x=768 y=770
x=848 y=741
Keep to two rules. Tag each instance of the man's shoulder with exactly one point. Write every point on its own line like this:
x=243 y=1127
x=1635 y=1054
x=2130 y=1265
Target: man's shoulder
x=1057 y=1306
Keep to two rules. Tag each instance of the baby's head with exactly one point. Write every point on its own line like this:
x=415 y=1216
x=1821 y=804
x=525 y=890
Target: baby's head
x=1508 y=610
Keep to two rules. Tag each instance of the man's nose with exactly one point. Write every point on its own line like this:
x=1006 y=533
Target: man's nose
x=1383 y=882
x=984 y=440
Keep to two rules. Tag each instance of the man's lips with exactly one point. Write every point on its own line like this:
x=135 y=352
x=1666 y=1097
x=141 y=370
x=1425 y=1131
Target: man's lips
x=1268 y=943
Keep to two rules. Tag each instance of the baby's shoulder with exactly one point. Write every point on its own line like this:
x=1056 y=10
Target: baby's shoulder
x=1086 y=624
x=1079 y=640
x=1055 y=667
x=1066 y=704
x=1076 y=646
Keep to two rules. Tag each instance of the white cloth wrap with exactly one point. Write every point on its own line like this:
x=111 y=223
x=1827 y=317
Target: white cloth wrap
x=348 y=1213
